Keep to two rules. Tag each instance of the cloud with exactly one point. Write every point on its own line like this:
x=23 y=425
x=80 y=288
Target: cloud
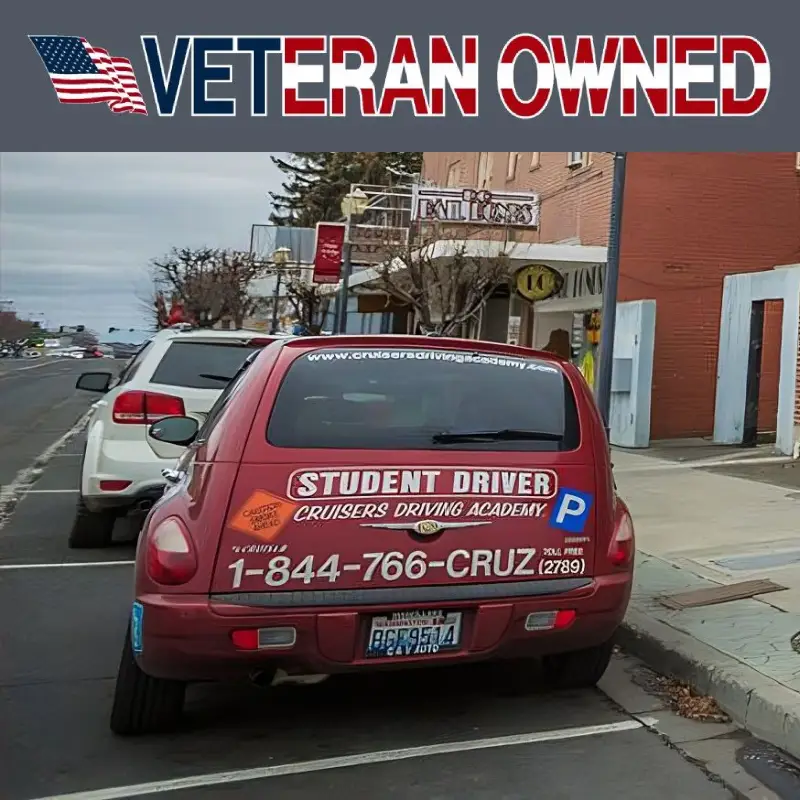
x=77 y=230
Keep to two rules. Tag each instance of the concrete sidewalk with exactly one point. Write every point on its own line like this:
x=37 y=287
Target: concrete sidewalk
x=697 y=529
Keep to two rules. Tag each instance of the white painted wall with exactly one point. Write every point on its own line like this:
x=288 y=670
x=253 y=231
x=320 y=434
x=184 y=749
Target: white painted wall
x=739 y=293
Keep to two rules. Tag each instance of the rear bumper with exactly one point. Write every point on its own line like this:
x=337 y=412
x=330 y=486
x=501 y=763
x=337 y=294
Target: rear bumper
x=189 y=637
x=142 y=498
x=110 y=460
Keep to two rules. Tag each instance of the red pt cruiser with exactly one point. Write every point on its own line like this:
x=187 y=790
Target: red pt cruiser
x=365 y=502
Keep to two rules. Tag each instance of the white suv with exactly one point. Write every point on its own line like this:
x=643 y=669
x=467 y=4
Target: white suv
x=180 y=371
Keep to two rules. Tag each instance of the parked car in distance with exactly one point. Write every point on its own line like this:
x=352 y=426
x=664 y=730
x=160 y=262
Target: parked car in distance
x=179 y=371
x=362 y=502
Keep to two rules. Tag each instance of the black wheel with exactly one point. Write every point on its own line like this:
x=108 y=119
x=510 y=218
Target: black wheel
x=143 y=704
x=580 y=669
x=91 y=529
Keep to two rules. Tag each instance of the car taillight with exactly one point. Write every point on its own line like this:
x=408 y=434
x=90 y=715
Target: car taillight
x=145 y=408
x=114 y=486
x=550 y=620
x=171 y=560
x=622 y=548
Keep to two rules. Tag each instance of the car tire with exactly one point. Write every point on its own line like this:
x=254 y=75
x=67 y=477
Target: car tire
x=91 y=529
x=579 y=669
x=144 y=704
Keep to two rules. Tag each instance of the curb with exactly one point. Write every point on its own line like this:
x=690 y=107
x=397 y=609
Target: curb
x=767 y=709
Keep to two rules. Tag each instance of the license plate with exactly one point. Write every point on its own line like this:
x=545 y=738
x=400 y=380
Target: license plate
x=414 y=633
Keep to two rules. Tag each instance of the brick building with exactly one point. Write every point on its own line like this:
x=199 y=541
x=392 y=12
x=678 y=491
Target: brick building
x=689 y=220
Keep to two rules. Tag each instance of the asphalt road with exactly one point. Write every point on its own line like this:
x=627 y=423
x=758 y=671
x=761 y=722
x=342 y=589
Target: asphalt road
x=38 y=403
x=445 y=734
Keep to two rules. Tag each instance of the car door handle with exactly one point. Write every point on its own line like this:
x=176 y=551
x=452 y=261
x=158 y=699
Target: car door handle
x=173 y=475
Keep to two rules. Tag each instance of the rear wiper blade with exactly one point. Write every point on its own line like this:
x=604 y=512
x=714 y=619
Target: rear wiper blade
x=504 y=434
x=220 y=378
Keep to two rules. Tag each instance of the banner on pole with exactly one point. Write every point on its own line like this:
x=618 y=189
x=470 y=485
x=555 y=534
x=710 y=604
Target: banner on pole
x=328 y=251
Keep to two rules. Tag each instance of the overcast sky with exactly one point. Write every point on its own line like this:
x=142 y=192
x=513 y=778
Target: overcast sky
x=77 y=231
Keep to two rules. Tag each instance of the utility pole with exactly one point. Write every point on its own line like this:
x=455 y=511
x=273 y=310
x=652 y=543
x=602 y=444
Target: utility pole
x=342 y=300
x=276 y=299
x=610 y=284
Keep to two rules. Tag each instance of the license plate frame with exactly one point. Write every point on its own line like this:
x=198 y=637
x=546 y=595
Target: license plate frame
x=393 y=634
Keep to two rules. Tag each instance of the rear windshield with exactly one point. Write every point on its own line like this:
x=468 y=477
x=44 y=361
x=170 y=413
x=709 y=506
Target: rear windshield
x=201 y=365
x=406 y=398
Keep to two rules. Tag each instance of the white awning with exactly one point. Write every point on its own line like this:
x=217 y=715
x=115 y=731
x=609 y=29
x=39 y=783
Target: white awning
x=555 y=255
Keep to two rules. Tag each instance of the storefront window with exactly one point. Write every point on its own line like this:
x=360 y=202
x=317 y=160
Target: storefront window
x=585 y=343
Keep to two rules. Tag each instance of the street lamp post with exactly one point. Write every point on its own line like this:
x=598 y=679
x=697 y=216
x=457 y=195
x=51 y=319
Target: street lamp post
x=354 y=204
x=280 y=258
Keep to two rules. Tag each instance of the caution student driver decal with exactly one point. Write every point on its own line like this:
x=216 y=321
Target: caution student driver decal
x=262 y=516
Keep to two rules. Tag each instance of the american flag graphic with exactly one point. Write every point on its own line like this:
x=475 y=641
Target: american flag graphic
x=81 y=73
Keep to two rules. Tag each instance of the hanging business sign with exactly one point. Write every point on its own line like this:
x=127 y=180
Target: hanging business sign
x=475 y=206
x=373 y=244
x=538 y=282
x=328 y=252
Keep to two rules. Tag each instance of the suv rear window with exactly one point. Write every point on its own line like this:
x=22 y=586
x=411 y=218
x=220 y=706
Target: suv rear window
x=185 y=364
x=402 y=399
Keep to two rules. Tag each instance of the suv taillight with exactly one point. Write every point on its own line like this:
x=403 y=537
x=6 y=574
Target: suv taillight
x=145 y=408
x=170 y=557
x=622 y=549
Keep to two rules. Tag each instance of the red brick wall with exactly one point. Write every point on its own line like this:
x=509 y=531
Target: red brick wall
x=690 y=219
x=797 y=385
x=574 y=203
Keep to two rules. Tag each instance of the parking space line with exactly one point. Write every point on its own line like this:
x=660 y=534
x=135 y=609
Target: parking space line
x=25 y=478
x=49 y=491
x=65 y=564
x=32 y=366
x=360 y=759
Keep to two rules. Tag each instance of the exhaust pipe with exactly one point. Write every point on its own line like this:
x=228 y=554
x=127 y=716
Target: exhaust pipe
x=263 y=678
x=277 y=677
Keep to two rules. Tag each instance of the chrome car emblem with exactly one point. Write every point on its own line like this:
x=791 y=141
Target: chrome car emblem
x=425 y=527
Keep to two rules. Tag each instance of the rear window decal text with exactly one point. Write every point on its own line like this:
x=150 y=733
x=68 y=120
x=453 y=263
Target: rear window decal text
x=343 y=483
x=331 y=512
x=386 y=567
x=432 y=355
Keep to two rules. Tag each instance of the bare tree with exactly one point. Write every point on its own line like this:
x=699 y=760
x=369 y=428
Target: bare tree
x=211 y=284
x=303 y=297
x=12 y=327
x=446 y=287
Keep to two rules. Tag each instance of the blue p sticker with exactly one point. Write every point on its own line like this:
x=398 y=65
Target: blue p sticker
x=570 y=510
x=137 y=615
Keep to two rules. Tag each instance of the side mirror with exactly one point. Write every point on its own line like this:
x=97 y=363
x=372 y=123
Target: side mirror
x=94 y=382
x=180 y=431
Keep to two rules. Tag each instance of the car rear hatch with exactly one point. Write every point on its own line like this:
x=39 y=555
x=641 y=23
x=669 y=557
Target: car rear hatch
x=402 y=471
x=190 y=377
